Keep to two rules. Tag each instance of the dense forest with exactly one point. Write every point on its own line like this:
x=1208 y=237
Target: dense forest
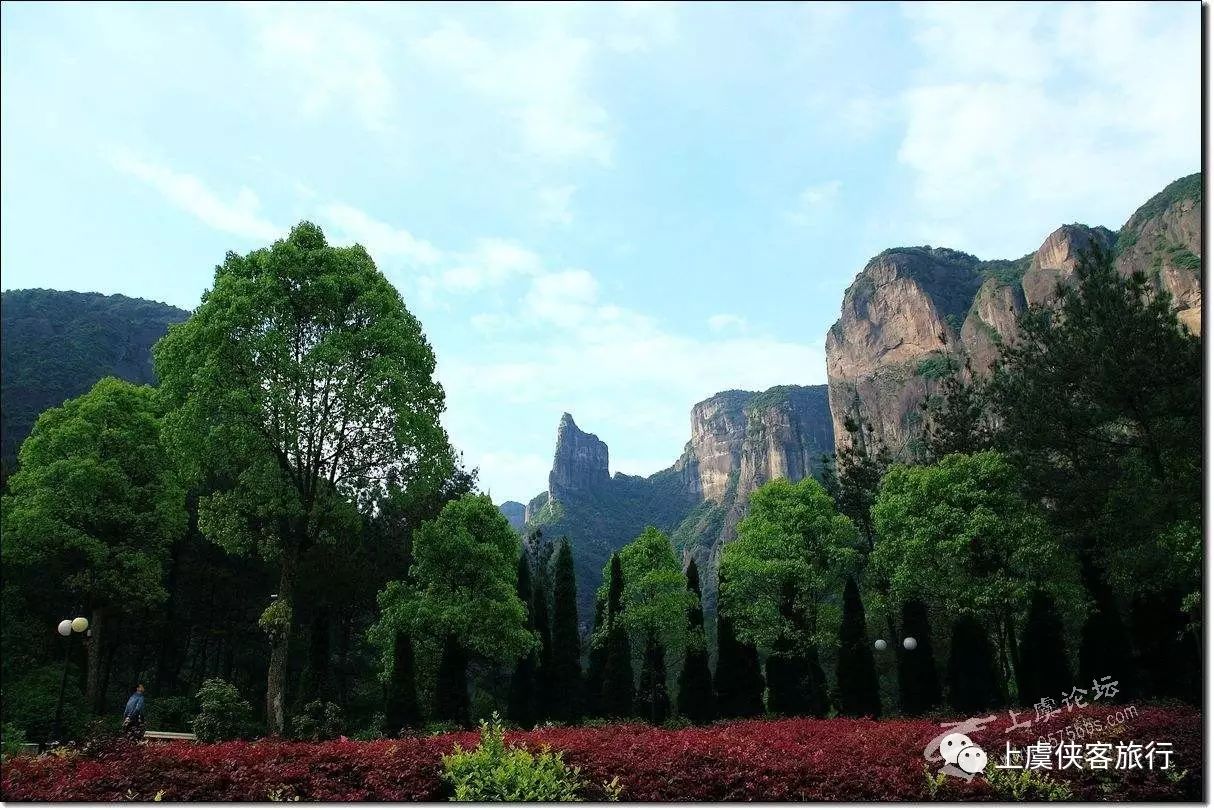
x=277 y=537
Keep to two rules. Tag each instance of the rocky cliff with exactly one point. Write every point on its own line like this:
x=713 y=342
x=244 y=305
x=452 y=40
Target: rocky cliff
x=911 y=312
x=739 y=439
x=57 y=344
x=516 y=513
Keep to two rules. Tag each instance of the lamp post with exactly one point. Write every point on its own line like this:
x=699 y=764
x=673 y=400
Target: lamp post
x=66 y=628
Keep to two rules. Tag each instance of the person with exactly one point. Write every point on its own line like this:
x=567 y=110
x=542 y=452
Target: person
x=132 y=716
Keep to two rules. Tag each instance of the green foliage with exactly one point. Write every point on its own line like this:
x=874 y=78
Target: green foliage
x=565 y=673
x=171 y=712
x=959 y=534
x=792 y=535
x=617 y=695
x=451 y=703
x=319 y=720
x=57 y=345
x=918 y=681
x=1186 y=188
x=96 y=503
x=655 y=596
x=696 y=699
x=652 y=697
x=796 y=684
x=738 y=679
x=12 y=740
x=462 y=582
x=222 y=713
x=973 y=684
x=1026 y=785
x=497 y=772
x=29 y=703
x=1006 y=271
x=856 y=674
x=936 y=366
x=1044 y=667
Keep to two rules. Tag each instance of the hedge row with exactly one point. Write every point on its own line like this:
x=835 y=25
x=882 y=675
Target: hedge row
x=785 y=760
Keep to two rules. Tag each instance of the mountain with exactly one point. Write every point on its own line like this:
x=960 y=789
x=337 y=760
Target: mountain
x=739 y=440
x=514 y=512
x=911 y=311
x=57 y=344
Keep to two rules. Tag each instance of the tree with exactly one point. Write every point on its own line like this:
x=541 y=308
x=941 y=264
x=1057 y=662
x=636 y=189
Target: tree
x=300 y=392
x=791 y=688
x=653 y=700
x=96 y=506
x=957 y=417
x=696 y=700
x=973 y=684
x=402 y=708
x=461 y=586
x=522 y=701
x=853 y=476
x=617 y=665
x=738 y=680
x=792 y=537
x=958 y=534
x=856 y=675
x=655 y=596
x=1044 y=664
x=566 y=674
x=1099 y=404
x=592 y=692
x=543 y=626
x=918 y=682
x=451 y=704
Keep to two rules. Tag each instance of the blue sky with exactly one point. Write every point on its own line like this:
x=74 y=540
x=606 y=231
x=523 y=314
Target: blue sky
x=611 y=210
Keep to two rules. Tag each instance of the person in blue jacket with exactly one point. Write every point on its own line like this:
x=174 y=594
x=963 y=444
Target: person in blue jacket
x=132 y=715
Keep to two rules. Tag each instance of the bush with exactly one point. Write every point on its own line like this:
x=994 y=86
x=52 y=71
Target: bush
x=172 y=713
x=496 y=772
x=222 y=713
x=1012 y=785
x=318 y=721
x=11 y=740
x=29 y=704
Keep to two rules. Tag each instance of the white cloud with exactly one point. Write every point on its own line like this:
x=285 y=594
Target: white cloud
x=495 y=466
x=1027 y=113
x=724 y=321
x=813 y=200
x=490 y=263
x=329 y=59
x=385 y=242
x=239 y=216
x=563 y=299
x=541 y=84
x=555 y=204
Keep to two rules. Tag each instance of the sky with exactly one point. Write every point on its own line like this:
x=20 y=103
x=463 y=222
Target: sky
x=614 y=210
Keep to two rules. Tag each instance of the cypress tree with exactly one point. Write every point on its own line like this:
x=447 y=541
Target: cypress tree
x=566 y=673
x=520 y=707
x=973 y=683
x=1104 y=647
x=1044 y=666
x=617 y=668
x=652 y=700
x=592 y=693
x=739 y=679
x=451 y=693
x=918 y=682
x=402 y=711
x=795 y=686
x=859 y=693
x=696 y=701
x=543 y=629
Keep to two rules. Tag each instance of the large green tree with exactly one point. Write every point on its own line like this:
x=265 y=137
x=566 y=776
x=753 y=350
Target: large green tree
x=792 y=537
x=696 y=700
x=95 y=507
x=617 y=693
x=655 y=596
x=958 y=534
x=301 y=391
x=461 y=589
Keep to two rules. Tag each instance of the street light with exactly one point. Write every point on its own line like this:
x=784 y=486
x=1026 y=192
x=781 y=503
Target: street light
x=66 y=628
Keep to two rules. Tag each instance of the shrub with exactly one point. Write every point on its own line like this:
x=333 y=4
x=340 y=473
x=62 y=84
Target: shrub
x=29 y=704
x=319 y=721
x=1011 y=785
x=222 y=713
x=172 y=713
x=494 y=771
x=11 y=740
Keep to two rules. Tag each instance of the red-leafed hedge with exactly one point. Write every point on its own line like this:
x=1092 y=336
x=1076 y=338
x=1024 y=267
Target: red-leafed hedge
x=786 y=760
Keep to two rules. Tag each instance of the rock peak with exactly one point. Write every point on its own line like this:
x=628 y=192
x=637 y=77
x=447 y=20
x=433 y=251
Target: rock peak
x=580 y=462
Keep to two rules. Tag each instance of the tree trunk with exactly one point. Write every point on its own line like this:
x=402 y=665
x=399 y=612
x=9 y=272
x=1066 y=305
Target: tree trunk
x=280 y=638
x=92 y=688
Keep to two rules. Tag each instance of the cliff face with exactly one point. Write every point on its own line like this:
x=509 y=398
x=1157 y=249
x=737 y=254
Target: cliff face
x=912 y=311
x=516 y=513
x=57 y=344
x=739 y=440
